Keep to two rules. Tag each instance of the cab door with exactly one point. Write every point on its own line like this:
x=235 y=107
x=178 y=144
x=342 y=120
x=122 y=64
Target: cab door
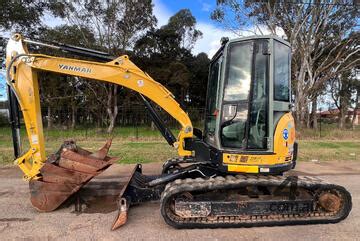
x=212 y=101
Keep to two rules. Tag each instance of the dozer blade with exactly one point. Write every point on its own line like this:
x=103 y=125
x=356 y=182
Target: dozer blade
x=124 y=201
x=65 y=172
x=136 y=191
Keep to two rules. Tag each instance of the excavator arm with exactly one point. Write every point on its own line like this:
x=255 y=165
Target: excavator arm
x=22 y=78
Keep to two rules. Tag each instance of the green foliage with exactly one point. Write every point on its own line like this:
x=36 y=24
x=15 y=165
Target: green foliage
x=183 y=23
x=21 y=15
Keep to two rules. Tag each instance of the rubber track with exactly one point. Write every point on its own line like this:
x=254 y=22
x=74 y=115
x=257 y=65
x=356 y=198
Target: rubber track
x=232 y=182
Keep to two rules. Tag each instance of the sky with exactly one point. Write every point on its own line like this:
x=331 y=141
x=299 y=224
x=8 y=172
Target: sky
x=3 y=94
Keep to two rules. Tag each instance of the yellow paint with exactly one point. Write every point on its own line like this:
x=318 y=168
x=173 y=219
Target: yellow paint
x=283 y=151
x=244 y=169
x=120 y=71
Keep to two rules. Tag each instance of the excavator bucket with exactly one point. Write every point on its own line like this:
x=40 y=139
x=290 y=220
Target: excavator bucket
x=65 y=172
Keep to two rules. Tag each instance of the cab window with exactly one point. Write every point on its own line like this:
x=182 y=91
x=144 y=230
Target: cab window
x=281 y=72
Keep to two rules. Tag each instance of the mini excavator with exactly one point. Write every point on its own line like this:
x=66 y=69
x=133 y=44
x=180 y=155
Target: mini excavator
x=228 y=175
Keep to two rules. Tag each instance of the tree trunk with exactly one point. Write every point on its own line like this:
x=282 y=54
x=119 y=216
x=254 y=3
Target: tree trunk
x=298 y=108
x=342 y=118
x=112 y=108
x=314 y=117
x=98 y=121
x=308 y=119
x=303 y=114
x=49 y=119
x=73 y=115
x=300 y=101
x=355 y=116
x=111 y=126
x=342 y=111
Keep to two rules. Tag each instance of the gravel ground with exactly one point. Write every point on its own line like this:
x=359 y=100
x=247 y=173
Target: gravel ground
x=19 y=221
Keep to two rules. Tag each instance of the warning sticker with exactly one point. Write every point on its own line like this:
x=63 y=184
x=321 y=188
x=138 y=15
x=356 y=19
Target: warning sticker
x=34 y=139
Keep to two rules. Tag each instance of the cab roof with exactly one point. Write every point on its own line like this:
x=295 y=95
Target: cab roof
x=253 y=37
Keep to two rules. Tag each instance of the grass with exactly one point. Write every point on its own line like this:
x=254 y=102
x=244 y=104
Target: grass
x=143 y=145
x=130 y=145
x=329 y=150
x=329 y=143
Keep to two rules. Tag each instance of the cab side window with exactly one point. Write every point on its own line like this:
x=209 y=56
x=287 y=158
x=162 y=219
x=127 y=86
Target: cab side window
x=281 y=72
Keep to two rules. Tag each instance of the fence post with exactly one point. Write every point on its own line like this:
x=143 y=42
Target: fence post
x=320 y=122
x=136 y=127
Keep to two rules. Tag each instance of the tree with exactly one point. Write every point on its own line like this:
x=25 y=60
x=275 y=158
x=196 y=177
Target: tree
x=59 y=91
x=165 y=53
x=183 y=24
x=344 y=91
x=116 y=24
x=321 y=36
x=21 y=16
x=199 y=69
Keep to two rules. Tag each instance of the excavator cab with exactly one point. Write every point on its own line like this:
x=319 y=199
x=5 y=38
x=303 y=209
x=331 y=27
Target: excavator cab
x=248 y=105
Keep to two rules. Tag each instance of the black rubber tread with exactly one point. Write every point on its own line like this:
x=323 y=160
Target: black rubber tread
x=232 y=182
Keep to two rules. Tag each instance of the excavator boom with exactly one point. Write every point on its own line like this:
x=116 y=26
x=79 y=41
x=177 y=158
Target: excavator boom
x=22 y=69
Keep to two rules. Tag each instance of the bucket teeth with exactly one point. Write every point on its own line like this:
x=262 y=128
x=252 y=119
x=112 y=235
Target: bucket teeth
x=65 y=172
x=102 y=152
x=122 y=216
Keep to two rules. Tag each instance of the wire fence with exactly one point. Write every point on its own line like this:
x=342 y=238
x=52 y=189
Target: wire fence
x=67 y=118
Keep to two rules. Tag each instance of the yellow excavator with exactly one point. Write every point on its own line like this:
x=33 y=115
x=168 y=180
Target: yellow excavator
x=228 y=175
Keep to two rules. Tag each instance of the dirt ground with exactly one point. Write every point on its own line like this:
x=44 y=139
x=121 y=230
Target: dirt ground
x=19 y=221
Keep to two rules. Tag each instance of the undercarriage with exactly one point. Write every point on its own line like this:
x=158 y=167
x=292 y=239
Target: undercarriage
x=197 y=196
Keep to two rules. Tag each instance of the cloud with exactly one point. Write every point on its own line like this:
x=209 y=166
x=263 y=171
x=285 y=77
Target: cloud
x=205 y=7
x=52 y=21
x=161 y=12
x=210 y=41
